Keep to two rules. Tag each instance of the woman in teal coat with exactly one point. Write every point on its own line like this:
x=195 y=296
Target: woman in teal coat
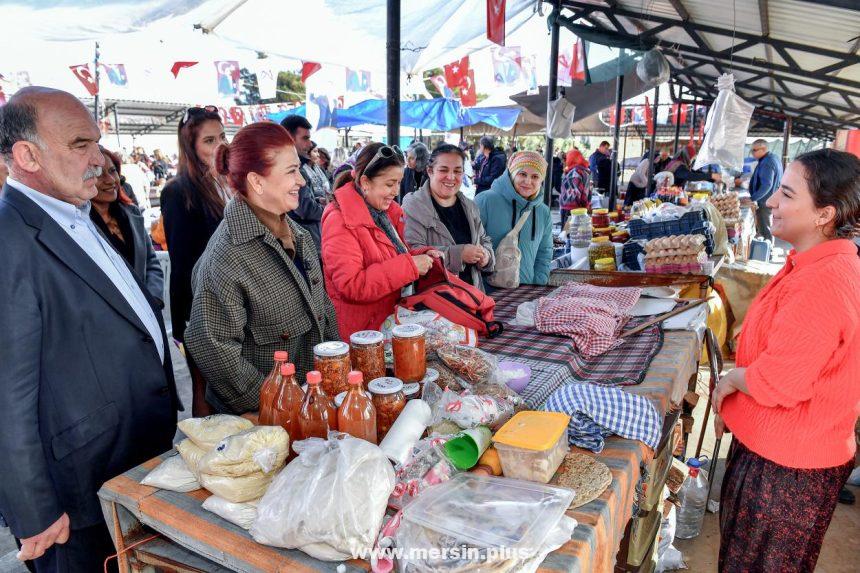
x=518 y=189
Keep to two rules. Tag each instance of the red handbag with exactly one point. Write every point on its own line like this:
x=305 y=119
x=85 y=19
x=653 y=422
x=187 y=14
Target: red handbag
x=455 y=299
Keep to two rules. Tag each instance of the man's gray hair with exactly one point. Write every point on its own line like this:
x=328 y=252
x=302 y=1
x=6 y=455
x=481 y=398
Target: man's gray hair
x=17 y=123
x=759 y=143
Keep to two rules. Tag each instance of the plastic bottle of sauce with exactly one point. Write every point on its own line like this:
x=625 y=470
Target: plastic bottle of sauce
x=270 y=388
x=288 y=403
x=318 y=414
x=357 y=416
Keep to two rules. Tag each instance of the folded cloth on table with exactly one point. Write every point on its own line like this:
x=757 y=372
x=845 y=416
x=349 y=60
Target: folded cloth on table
x=597 y=412
x=592 y=316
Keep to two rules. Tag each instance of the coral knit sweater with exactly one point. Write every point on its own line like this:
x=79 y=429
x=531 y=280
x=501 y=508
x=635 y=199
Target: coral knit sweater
x=800 y=346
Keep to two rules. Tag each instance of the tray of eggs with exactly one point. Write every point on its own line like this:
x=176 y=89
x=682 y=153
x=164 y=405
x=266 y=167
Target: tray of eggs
x=677 y=254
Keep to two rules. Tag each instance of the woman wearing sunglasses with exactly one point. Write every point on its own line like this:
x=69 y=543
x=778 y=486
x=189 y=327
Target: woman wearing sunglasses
x=258 y=287
x=366 y=260
x=192 y=205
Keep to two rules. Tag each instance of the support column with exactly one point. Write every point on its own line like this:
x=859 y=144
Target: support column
x=651 y=157
x=616 y=137
x=678 y=120
x=392 y=69
x=786 y=136
x=551 y=94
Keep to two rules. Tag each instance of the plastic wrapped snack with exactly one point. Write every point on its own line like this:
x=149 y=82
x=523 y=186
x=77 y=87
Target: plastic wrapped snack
x=237 y=489
x=241 y=514
x=440 y=330
x=207 y=432
x=330 y=501
x=470 y=410
x=261 y=448
x=470 y=363
x=191 y=454
x=426 y=466
x=172 y=474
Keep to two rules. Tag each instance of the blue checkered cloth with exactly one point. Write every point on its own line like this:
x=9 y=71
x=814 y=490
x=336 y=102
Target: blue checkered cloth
x=597 y=412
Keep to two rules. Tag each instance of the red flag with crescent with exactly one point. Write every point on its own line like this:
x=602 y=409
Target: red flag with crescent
x=496 y=21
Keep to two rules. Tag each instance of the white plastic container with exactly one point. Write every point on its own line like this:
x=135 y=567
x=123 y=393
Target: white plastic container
x=532 y=445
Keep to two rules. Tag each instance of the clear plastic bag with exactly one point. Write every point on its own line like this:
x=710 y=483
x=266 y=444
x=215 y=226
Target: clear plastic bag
x=494 y=524
x=470 y=410
x=191 y=454
x=653 y=68
x=207 y=432
x=439 y=330
x=238 y=489
x=262 y=448
x=241 y=514
x=726 y=128
x=172 y=474
x=330 y=501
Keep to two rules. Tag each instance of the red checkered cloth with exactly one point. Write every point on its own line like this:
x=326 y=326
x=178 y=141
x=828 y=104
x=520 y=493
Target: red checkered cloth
x=554 y=360
x=592 y=316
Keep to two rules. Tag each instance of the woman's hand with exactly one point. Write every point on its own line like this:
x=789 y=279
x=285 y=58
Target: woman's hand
x=729 y=384
x=473 y=254
x=436 y=254
x=485 y=258
x=719 y=426
x=423 y=262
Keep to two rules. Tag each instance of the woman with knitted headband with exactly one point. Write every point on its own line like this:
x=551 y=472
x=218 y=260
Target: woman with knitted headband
x=518 y=190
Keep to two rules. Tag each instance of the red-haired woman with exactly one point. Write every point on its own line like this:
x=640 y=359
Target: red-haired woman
x=121 y=222
x=258 y=286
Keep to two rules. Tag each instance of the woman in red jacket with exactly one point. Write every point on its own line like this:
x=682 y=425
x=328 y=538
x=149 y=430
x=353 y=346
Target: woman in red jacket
x=367 y=263
x=792 y=401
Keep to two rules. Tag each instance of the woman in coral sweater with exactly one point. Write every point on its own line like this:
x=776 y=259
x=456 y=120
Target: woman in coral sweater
x=792 y=401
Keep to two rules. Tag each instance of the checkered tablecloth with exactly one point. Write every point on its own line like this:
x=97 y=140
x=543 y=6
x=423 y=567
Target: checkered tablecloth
x=554 y=361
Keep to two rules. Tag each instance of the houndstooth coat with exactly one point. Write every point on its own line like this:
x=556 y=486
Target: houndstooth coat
x=250 y=299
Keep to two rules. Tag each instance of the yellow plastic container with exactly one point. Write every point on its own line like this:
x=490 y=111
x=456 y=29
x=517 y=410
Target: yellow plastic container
x=532 y=445
x=607 y=264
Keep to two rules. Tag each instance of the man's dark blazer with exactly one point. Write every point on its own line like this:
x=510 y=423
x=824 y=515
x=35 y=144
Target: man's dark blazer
x=83 y=393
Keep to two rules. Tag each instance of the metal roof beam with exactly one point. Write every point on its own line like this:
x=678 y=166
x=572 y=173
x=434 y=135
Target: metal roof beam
x=806 y=99
x=844 y=4
x=698 y=27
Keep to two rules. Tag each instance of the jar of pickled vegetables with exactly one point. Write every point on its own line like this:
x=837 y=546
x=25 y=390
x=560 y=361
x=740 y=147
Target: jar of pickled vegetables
x=389 y=401
x=367 y=350
x=331 y=359
x=600 y=248
x=410 y=355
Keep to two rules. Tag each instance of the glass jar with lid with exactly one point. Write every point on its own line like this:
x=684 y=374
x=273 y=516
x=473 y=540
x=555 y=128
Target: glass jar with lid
x=331 y=359
x=600 y=218
x=600 y=248
x=389 y=400
x=580 y=229
x=410 y=354
x=367 y=350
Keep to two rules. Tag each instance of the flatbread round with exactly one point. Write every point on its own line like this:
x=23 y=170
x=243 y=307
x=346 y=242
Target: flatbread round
x=585 y=475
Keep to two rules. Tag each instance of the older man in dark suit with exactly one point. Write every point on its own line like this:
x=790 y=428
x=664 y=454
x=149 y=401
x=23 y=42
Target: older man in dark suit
x=86 y=387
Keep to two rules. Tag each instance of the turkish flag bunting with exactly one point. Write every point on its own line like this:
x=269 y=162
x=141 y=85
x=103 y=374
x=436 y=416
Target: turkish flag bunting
x=468 y=93
x=496 y=21
x=675 y=113
x=577 y=61
x=649 y=117
x=82 y=72
x=179 y=66
x=457 y=72
x=309 y=69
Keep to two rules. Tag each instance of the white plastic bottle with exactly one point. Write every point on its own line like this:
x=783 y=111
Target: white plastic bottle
x=694 y=499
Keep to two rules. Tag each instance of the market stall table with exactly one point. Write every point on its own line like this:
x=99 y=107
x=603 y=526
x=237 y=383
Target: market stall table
x=193 y=539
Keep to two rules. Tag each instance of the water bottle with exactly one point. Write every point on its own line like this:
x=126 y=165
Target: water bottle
x=694 y=498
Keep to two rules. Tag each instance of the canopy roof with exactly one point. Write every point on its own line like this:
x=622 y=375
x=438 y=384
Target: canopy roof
x=791 y=58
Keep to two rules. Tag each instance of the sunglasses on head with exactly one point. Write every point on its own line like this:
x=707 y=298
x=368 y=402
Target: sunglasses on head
x=193 y=111
x=384 y=152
